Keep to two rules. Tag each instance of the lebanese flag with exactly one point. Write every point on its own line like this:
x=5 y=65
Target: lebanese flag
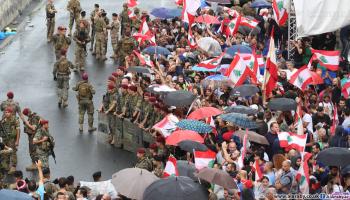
x=212 y=63
x=345 y=87
x=303 y=176
x=335 y=120
x=251 y=23
x=238 y=71
x=170 y=167
x=179 y=2
x=270 y=73
x=244 y=147
x=144 y=59
x=231 y=12
x=329 y=59
x=204 y=159
x=131 y=14
x=261 y=62
x=132 y=3
x=252 y=63
x=292 y=141
x=167 y=125
x=189 y=10
x=190 y=39
x=148 y=35
x=280 y=13
x=258 y=173
x=302 y=78
x=233 y=25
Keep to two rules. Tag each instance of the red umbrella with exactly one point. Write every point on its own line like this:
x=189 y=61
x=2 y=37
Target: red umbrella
x=228 y=135
x=208 y=19
x=204 y=112
x=181 y=135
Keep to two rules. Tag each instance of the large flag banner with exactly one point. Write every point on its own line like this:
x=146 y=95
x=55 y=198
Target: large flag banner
x=238 y=71
x=204 y=159
x=321 y=16
x=251 y=23
x=189 y=10
x=144 y=59
x=233 y=25
x=212 y=63
x=292 y=141
x=303 y=176
x=270 y=73
x=329 y=59
x=345 y=87
x=280 y=12
x=302 y=78
x=170 y=167
x=167 y=125
x=132 y=3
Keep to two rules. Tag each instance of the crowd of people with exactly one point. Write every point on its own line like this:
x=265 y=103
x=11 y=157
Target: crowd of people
x=260 y=171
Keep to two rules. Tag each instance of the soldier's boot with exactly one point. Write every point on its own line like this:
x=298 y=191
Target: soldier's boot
x=94 y=53
x=31 y=167
x=12 y=170
x=81 y=128
x=103 y=58
x=60 y=103
x=92 y=129
x=65 y=104
x=112 y=142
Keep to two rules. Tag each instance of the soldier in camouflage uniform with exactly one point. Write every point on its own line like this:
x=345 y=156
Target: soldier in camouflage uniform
x=125 y=47
x=125 y=20
x=10 y=136
x=132 y=105
x=93 y=15
x=81 y=37
x=101 y=33
x=145 y=111
x=82 y=19
x=30 y=127
x=136 y=21
x=41 y=141
x=109 y=105
x=114 y=27
x=4 y=152
x=50 y=19
x=106 y=19
x=142 y=161
x=61 y=41
x=74 y=9
x=10 y=103
x=61 y=72
x=85 y=92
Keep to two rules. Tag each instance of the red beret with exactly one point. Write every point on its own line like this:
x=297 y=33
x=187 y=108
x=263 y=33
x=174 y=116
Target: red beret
x=152 y=99
x=63 y=52
x=157 y=105
x=85 y=76
x=111 y=86
x=43 y=121
x=114 y=74
x=9 y=109
x=26 y=111
x=161 y=139
x=141 y=150
x=146 y=94
x=111 y=78
x=10 y=95
x=124 y=86
x=121 y=68
x=153 y=146
x=133 y=88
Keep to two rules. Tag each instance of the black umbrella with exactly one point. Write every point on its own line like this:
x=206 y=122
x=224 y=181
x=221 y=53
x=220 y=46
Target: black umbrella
x=334 y=156
x=175 y=188
x=245 y=90
x=185 y=168
x=241 y=109
x=282 y=104
x=345 y=170
x=139 y=69
x=190 y=145
x=179 y=98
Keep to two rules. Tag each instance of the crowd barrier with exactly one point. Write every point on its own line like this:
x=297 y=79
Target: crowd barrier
x=132 y=136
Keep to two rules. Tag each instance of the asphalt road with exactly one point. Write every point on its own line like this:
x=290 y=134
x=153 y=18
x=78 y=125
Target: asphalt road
x=26 y=69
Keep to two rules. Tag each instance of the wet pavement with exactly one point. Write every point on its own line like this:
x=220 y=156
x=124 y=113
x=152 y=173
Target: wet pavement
x=26 y=69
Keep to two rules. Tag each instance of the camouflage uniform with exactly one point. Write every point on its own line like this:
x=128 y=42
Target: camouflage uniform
x=74 y=10
x=42 y=149
x=33 y=119
x=93 y=31
x=125 y=20
x=3 y=166
x=12 y=104
x=133 y=106
x=136 y=21
x=126 y=46
x=61 y=71
x=61 y=42
x=85 y=93
x=100 y=28
x=106 y=37
x=158 y=171
x=86 y=25
x=145 y=113
x=50 y=20
x=115 y=25
x=81 y=37
x=109 y=104
x=144 y=163
x=11 y=128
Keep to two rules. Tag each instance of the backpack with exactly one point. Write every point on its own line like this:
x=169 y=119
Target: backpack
x=63 y=67
x=84 y=90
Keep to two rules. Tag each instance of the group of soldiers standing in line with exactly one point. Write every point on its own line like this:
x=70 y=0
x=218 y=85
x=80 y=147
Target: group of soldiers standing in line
x=40 y=142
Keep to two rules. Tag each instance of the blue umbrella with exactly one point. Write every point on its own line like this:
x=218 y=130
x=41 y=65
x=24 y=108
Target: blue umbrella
x=166 y=13
x=231 y=51
x=216 y=77
x=14 y=195
x=241 y=109
x=194 y=125
x=156 y=50
x=260 y=4
x=203 y=69
x=239 y=119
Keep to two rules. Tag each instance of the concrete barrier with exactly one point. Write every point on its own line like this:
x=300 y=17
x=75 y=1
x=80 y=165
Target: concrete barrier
x=10 y=9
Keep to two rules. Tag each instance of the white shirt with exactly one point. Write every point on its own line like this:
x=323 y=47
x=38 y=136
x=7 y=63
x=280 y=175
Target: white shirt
x=346 y=122
x=307 y=118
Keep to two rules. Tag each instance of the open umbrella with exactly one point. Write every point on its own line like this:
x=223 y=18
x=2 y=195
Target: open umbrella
x=224 y=2
x=241 y=109
x=177 y=136
x=282 y=104
x=260 y=4
x=204 y=112
x=252 y=136
x=231 y=51
x=179 y=98
x=166 y=13
x=139 y=69
x=207 y=19
x=132 y=182
x=151 y=50
x=175 y=188
x=160 y=89
x=218 y=177
x=190 y=146
x=14 y=195
x=334 y=156
x=186 y=168
x=239 y=119
x=194 y=125
x=210 y=45
x=245 y=90
x=216 y=80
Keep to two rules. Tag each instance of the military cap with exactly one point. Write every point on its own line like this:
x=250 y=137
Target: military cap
x=10 y=95
x=153 y=146
x=152 y=99
x=85 y=76
x=114 y=74
x=160 y=139
x=132 y=88
x=124 y=86
x=43 y=122
x=26 y=111
x=111 y=86
x=141 y=150
x=146 y=94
